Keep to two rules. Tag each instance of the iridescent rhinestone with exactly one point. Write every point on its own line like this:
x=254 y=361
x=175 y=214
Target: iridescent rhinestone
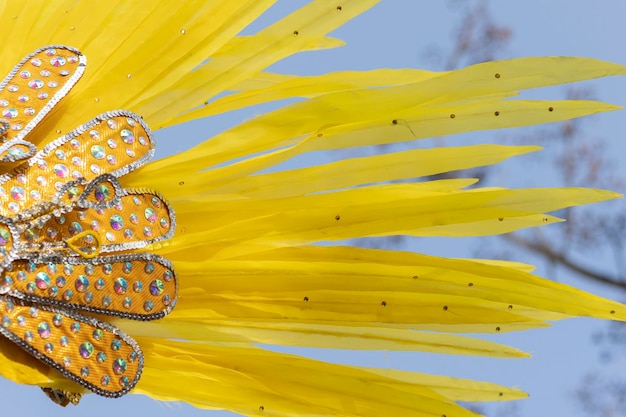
x=64 y=73
x=120 y=286
x=127 y=136
x=134 y=219
x=85 y=371
x=35 y=195
x=4 y=236
x=48 y=348
x=148 y=268
x=51 y=268
x=101 y=357
x=53 y=291
x=130 y=152
x=42 y=96
x=6 y=322
x=67 y=361
x=143 y=140
x=82 y=283
x=31 y=288
x=21 y=276
x=75 y=327
x=42 y=280
x=90 y=269
x=29 y=336
x=61 y=170
x=147 y=231
x=104 y=381
x=53 y=84
x=51 y=52
x=127 y=302
x=31 y=267
x=88 y=297
x=57 y=61
x=36 y=84
x=107 y=269
x=94 y=134
x=76 y=161
x=31 y=235
x=116 y=221
x=99 y=284
x=75 y=228
x=68 y=294
x=102 y=193
x=112 y=124
x=97 y=334
x=150 y=214
x=86 y=350
x=34 y=312
x=68 y=269
x=132 y=357
x=16 y=126
x=156 y=202
x=9 y=306
x=45 y=73
x=18 y=193
x=119 y=366
x=75 y=144
x=72 y=59
x=4 y=103
x=106 y=301
x=41 y=180
x=116 y=345
x=166 y=300
x=57 y=319
x=61 y=219
x=60 y=281
x=136 y=200
x=110 y=236
x=111 y=159
x=64 y=341
x=127 y=267
x=95 y=169
x=21 y=178
x=95 y=226
x=14 y=207
x=44 y=330
x=59 y=154
x=24 y=74
x=23 y=98
x=97 y=152
x=9 y=113
x=13 y=88
x=148 y=306
x=112 y=143
x=137 y=286
x=165 y=223
x=36 y=62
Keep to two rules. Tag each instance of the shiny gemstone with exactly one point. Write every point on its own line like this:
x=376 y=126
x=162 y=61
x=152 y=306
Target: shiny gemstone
x=134 y=219
x=148 y=306
x=94 y=134
x=64 y=341
x=97 y=152
x=137 y=286
x=165 y=223
x=18 y=193
x=120 y=286
x=88 y=298
x=110 y=236
x=68 y=294
x=53 y=291
x=31 y=288
x=29 y=336
x=41 y=180
x=116 y=344
x=42 y=280
x=57 y=319
x=150 y=214
x=84 y=371
x=44 y=330
x=95 y=226
x=127 y=267
x=147 y=231
x=61 y=170
x=57 y=61
x=127 y=302
x=23 y=98
x=4 y=236
x=75 y=228
x=124 y=381
x=59 y=154
x=166 y=300
x=143 y=140
x=81 y=283
x=36 y=84
x=97 y=334
x=112 y=124
x=75 y=327
x=86 y=350
x=67 y=361
x=9 y=113
x=112 y=143
x=95 y=169
x=111 y=159
x=75 y=143
x=106 y=301
x=36 y=62
x=45 y=73
x=42 y=96
x=90 y=269
x=130 y=153
x=116 y=222
x=13 y=88
x=53 y=84
x=127 y=136
x=6 y=322
x=76 y=161
x=48 y=348
x=104 y=381
x=24 y=74
x=60 y=282
x=119 y=366
x=35 y=195
x=99 y=285
x=101 y=357
x=148 y=268
x=102 y=192
x=107 y=269
x=68 y=269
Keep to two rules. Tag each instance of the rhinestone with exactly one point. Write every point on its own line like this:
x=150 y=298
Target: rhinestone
x=82 y=283
x=4 y=236
x=137 y=286
x=10 y=113
x=48 y=348
x=97 y=152
x=12 y=88
x=111 y=159
x=45 y=73
x=88 y=297
x=67 y=361
x=42 y=96
x=61 y=170
x=112 y=124
x=36 y=62
x=60 y=282
x=165 y=223
x=134 y=219
x=6 y=322
x=99 y=285
x=57 y=319
x=58 y=61
x=53 y=84
x=119 y=366
x=106 y=301
x=29 y=336
x=64 y=341
x=120 y=286
x=128 y=234
x=67 y=295
x=84 y=371
x=75 y=228
x=148 y=306
x=107 y=269
x=23 y=99
x=97 y=334
x=150 y=214
x=42 y=280
x=101 y=357
x=36 y=84
x=59 y=154
x=44 y=330
x=127 y=302
x=86 y=350
x=116 y=222
x=24 y=74
x=127 y=136
x=75 y=327
x=110 y=236
x=104 y=381
x=53 y=291
x=111 y=142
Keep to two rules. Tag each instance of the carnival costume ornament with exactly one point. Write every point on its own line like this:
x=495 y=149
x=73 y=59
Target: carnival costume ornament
x=89 y=249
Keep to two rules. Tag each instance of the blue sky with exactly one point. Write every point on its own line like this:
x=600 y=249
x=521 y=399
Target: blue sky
x=395 y=34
